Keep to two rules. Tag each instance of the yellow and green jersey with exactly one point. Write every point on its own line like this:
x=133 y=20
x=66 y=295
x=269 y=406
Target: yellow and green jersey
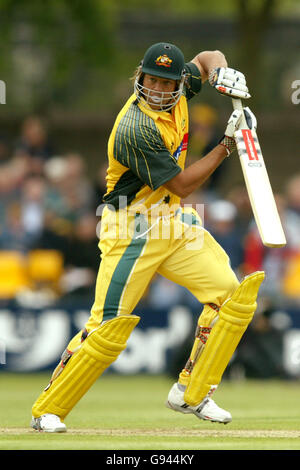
x=146 y=149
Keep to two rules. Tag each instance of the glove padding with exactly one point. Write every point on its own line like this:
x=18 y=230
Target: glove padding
x=229 y=82
x=250 y=119
x=234 y=124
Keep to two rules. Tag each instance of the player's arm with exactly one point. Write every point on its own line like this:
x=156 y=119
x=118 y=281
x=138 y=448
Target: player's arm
x=188 y=180
x=213 y=67
x=208 y=60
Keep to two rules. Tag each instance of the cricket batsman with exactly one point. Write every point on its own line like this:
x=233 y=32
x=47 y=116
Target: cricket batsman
x=145 y=230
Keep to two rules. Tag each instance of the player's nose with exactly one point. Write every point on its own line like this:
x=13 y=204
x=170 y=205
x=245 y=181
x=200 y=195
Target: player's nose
x=157 y=86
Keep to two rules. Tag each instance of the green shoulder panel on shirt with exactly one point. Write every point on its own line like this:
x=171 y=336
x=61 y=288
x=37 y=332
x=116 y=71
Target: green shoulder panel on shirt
x=139 y=146
x=194 y=83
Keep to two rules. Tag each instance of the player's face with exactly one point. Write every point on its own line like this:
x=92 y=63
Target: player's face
x=159 y=91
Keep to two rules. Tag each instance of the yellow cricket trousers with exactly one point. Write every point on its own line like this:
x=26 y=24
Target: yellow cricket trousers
x=133 y=250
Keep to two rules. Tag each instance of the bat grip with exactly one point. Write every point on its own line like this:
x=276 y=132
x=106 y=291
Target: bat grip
x=237 y=104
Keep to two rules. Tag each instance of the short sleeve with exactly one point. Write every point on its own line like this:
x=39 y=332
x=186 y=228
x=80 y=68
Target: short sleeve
x=193 y=82
x=139 y=147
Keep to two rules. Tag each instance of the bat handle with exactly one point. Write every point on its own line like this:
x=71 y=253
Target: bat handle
x=237 y=104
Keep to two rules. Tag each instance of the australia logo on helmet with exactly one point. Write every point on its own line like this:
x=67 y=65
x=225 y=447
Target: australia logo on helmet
x=164 y=61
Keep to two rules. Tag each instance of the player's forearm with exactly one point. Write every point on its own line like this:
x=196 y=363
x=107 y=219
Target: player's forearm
x=208 y=60
x=196 y=174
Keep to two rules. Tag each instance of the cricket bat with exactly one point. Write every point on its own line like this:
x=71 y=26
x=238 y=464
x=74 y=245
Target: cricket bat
x=258 y=184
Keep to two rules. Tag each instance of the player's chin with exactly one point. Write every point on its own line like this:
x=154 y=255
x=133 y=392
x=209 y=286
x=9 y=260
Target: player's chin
x=154 y=106
x=159 y=106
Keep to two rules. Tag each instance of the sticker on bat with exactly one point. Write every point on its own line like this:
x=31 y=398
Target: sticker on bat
x=250 y=145
x=255 y=164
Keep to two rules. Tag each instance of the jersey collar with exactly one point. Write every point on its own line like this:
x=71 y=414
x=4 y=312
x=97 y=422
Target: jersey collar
x=155 y=115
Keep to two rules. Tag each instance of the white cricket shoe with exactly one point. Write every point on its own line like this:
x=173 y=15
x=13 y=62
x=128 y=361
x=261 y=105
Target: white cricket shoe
x=207 y=409
x=48 y=423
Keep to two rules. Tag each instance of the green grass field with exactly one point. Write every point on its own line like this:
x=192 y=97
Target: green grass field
x=122 y=412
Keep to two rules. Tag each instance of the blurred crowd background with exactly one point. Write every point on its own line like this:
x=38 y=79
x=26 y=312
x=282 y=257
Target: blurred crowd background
x=48 y=217
x=66 y=66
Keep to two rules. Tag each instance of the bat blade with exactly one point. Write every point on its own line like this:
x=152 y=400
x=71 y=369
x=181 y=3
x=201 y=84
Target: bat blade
x=259 y=188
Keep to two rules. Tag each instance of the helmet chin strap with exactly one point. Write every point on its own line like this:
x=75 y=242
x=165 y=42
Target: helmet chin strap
x=162 y=101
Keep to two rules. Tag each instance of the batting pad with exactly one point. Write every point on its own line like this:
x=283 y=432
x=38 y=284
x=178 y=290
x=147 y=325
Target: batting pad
x=234 y=317
x=100 y=349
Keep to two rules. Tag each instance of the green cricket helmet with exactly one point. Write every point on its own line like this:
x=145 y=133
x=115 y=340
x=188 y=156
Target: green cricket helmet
x=162 y=60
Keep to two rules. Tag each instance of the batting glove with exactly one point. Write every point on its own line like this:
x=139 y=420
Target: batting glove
x=250 y=119
x=229 y=82
x=233 y=125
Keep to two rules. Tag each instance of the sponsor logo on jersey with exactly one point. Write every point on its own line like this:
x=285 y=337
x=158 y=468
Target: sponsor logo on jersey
x=182 y=147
